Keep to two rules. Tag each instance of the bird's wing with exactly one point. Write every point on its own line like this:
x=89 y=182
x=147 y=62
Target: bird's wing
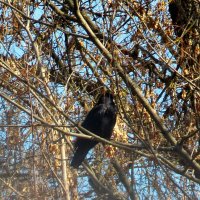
x=94 y=118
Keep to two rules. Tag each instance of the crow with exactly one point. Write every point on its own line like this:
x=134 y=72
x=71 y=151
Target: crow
x=100 y=120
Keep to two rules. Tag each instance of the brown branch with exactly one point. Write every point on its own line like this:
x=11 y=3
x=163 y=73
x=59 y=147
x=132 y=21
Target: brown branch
x=12 y=188
x=98 y=187
x=123 y=178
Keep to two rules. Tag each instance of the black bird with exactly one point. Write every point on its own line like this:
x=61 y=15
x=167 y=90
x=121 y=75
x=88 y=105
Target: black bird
x=100 y=120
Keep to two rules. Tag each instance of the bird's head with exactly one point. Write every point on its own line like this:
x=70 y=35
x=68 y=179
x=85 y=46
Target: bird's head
x=105 y=98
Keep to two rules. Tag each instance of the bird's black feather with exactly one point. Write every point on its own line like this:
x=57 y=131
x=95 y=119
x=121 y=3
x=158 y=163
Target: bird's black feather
x=100 y=121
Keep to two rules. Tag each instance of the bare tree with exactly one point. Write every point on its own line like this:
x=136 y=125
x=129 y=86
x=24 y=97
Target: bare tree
x=57 y=56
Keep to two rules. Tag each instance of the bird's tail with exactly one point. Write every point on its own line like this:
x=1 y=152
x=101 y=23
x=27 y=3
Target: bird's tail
x=78 y=158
